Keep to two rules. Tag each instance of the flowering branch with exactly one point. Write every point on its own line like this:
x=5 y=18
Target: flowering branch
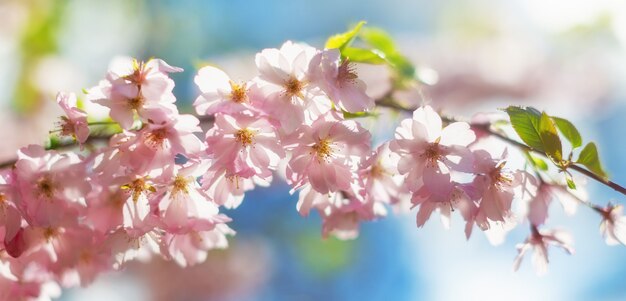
x=486 y=127
x=158 y=189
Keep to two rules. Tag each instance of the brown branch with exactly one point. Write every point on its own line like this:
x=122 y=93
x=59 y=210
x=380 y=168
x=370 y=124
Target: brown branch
x=485 y=127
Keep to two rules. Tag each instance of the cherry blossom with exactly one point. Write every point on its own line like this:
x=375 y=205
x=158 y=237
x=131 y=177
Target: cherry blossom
x=327 y=154
x=495 y=185
x=427 y=151
x=133 y=86
x=220 y=94
x=339 y=81
x=613 y=225
x=245 y=145
x=284 y=80
x=74 y=123
x=539 y=241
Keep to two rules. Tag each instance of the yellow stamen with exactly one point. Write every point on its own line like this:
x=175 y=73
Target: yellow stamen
x=239 y=92
x=156 y=137
x=323 y=149
x=245 y=137
x=180 y=185
x=293 y=87
x=138 y=187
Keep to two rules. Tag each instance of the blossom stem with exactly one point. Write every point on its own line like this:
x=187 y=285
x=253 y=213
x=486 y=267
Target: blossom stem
x=95 y=123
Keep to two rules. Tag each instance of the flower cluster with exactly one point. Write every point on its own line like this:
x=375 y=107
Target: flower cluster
x=156 y=187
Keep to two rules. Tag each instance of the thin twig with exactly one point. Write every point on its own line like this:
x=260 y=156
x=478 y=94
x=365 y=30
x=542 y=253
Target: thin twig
x=485 y=127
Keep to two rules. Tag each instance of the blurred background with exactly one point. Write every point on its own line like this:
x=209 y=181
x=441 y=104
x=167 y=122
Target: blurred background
x=565 y=56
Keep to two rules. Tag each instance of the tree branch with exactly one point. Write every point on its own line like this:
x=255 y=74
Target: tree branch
x=386 y=102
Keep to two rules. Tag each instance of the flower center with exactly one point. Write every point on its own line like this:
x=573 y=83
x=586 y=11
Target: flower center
x=238 y=93
x=245 y=137
x=85 y=257
x=500 y=178
x=432 y=154
x=323 y=149
x=46 y=187
x=49 y=233
x=140 y=72
x=136 y=103
x=293 y=87
x=156 y=137
x=138 y=187
x=233 y=179
x=67 y=127
x=378 y=171
x=180 y=185
x=346 y=73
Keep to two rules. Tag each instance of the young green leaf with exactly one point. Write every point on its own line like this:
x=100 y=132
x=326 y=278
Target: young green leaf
x=342 y=40
x=525 y=122
x=382 y=42
x=367 y=56
x=570 y=181
x=550 y=138
x=350 y=115
x=569 y=131
x=590 y=159
x=537 y=162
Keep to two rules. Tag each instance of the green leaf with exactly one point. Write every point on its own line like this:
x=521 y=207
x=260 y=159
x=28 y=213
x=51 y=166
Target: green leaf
x=570 y=181
x=367 y=56
x=525 y=122
x=537 y=130
x=349 y=115
x=343 y=40
x=537 y=162
x=569 y=131
x=550 y=138
x=590 y=159
x=383 y=43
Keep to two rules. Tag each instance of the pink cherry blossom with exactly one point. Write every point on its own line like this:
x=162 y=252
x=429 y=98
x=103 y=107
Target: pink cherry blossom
x=191 y=248
x=339 y=81
x=445 y=198
x=427 y=151
x=341 y=212
x=227 y=189
x=220 y=94
x=155 y=146
x=132 y=86
x=185 y=207
x=539 y=241
x=284 y=80
x=74 y=123
x=495 y=185
x=137 y=210
x=540 y=202
x=327 y=154
x=381 y=180
x=51 y=186
x=613 y=225
x=244 y=145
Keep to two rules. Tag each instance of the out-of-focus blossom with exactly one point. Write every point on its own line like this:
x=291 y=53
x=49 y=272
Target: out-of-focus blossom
x=538 y=241
x=74 y=123
x=613 y=225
